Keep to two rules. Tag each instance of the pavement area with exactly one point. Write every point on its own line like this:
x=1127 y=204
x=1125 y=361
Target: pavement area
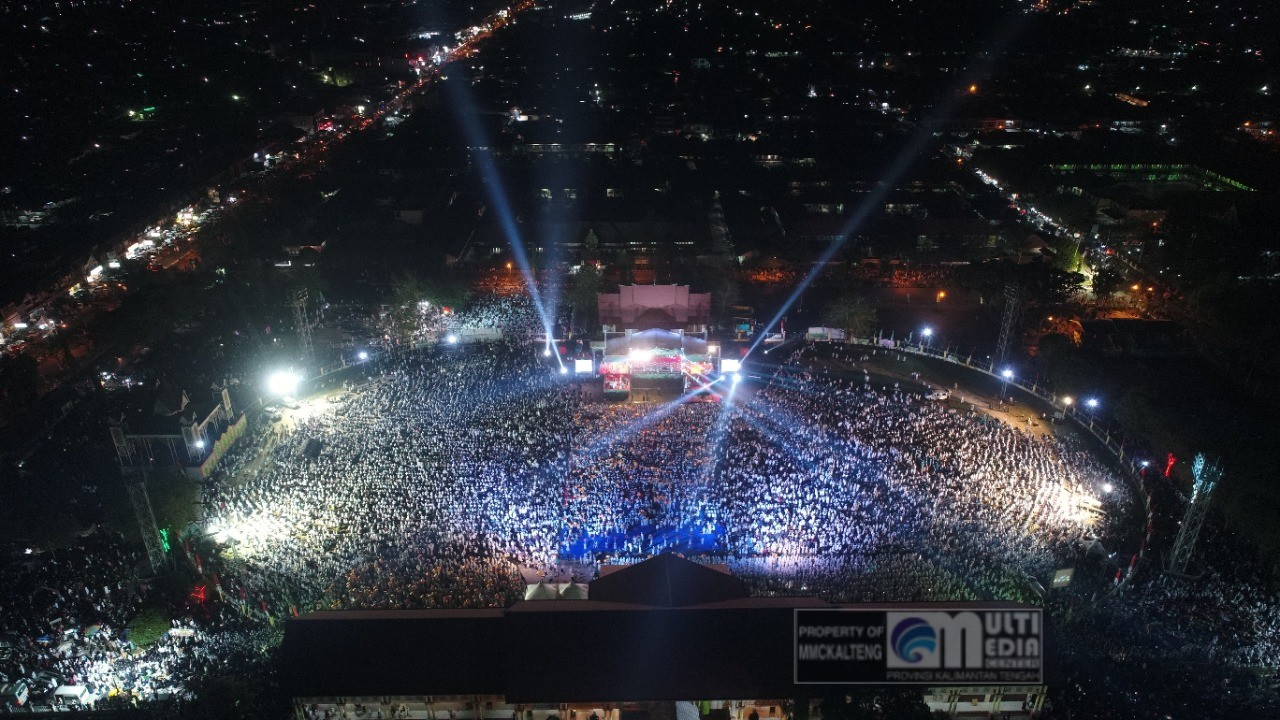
x=968 y=389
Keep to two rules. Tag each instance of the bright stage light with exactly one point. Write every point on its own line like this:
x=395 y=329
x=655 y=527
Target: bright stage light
x=363 y=355
x=1006 y=373
x=641 y=355
x=546 y=352
x=200 y=444
x=283 y=382
x=737 y=378
x=730 y=365
x=1107 y=487
x=927 y=332
x=564 y=370
x=451 y=339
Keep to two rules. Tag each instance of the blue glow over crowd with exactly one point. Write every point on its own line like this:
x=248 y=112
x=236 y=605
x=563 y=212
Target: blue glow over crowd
x=448 y=474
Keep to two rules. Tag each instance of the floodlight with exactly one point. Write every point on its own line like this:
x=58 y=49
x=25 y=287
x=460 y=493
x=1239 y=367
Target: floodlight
x=1006 y=373
x=363 y=354
x=283 y=382
x=1091 y=402
x=927 y=332
x=546 y=352
x=451 y=339
x=200 y=444
x=1107 y=487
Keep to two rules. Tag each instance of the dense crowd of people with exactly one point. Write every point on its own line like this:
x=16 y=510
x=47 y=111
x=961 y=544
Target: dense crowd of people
x=67 y=624
x=409 y=502
x=837 y=487
x=454 y=468
x=447 y=476
x=855 y=473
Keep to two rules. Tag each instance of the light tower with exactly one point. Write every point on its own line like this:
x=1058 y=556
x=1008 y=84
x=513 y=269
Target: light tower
x=1206 y=479
x=135 y=483
x=302 y=324
x=1007 y=321
x=134 y=461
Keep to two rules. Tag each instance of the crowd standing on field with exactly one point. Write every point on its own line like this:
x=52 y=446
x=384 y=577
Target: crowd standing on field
x=447 y=475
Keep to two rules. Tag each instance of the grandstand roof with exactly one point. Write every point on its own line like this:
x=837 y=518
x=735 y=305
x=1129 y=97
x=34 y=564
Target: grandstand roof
x=668 y=580
x=664 y=629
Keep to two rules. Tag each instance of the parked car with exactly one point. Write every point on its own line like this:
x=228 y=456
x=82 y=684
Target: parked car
x=14 y=693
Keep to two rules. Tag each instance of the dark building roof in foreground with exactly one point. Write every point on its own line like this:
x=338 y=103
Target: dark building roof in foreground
x=668 y=581
x=669 y=629
x=376 y=652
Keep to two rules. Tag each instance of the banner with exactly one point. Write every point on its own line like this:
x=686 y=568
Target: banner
x=927 y=645
x=220 y=448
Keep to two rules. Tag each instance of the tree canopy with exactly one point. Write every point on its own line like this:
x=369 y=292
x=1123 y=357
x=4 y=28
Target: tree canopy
x=851 y=313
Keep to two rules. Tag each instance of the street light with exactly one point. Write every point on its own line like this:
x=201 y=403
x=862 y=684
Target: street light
x=1092 y=403
x=1066 y=401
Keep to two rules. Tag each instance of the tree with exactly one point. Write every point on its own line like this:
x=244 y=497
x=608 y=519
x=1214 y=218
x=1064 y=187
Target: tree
x=174 y=498
x=625 y=266
x=1040 y=283
x=1045 y=284
x=725 y=293
x=1107 y=282
x=446 y=290
x=851 y=313
x=1054 y=348
x=582 y=293
x=149 y=626
x=407 y=291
